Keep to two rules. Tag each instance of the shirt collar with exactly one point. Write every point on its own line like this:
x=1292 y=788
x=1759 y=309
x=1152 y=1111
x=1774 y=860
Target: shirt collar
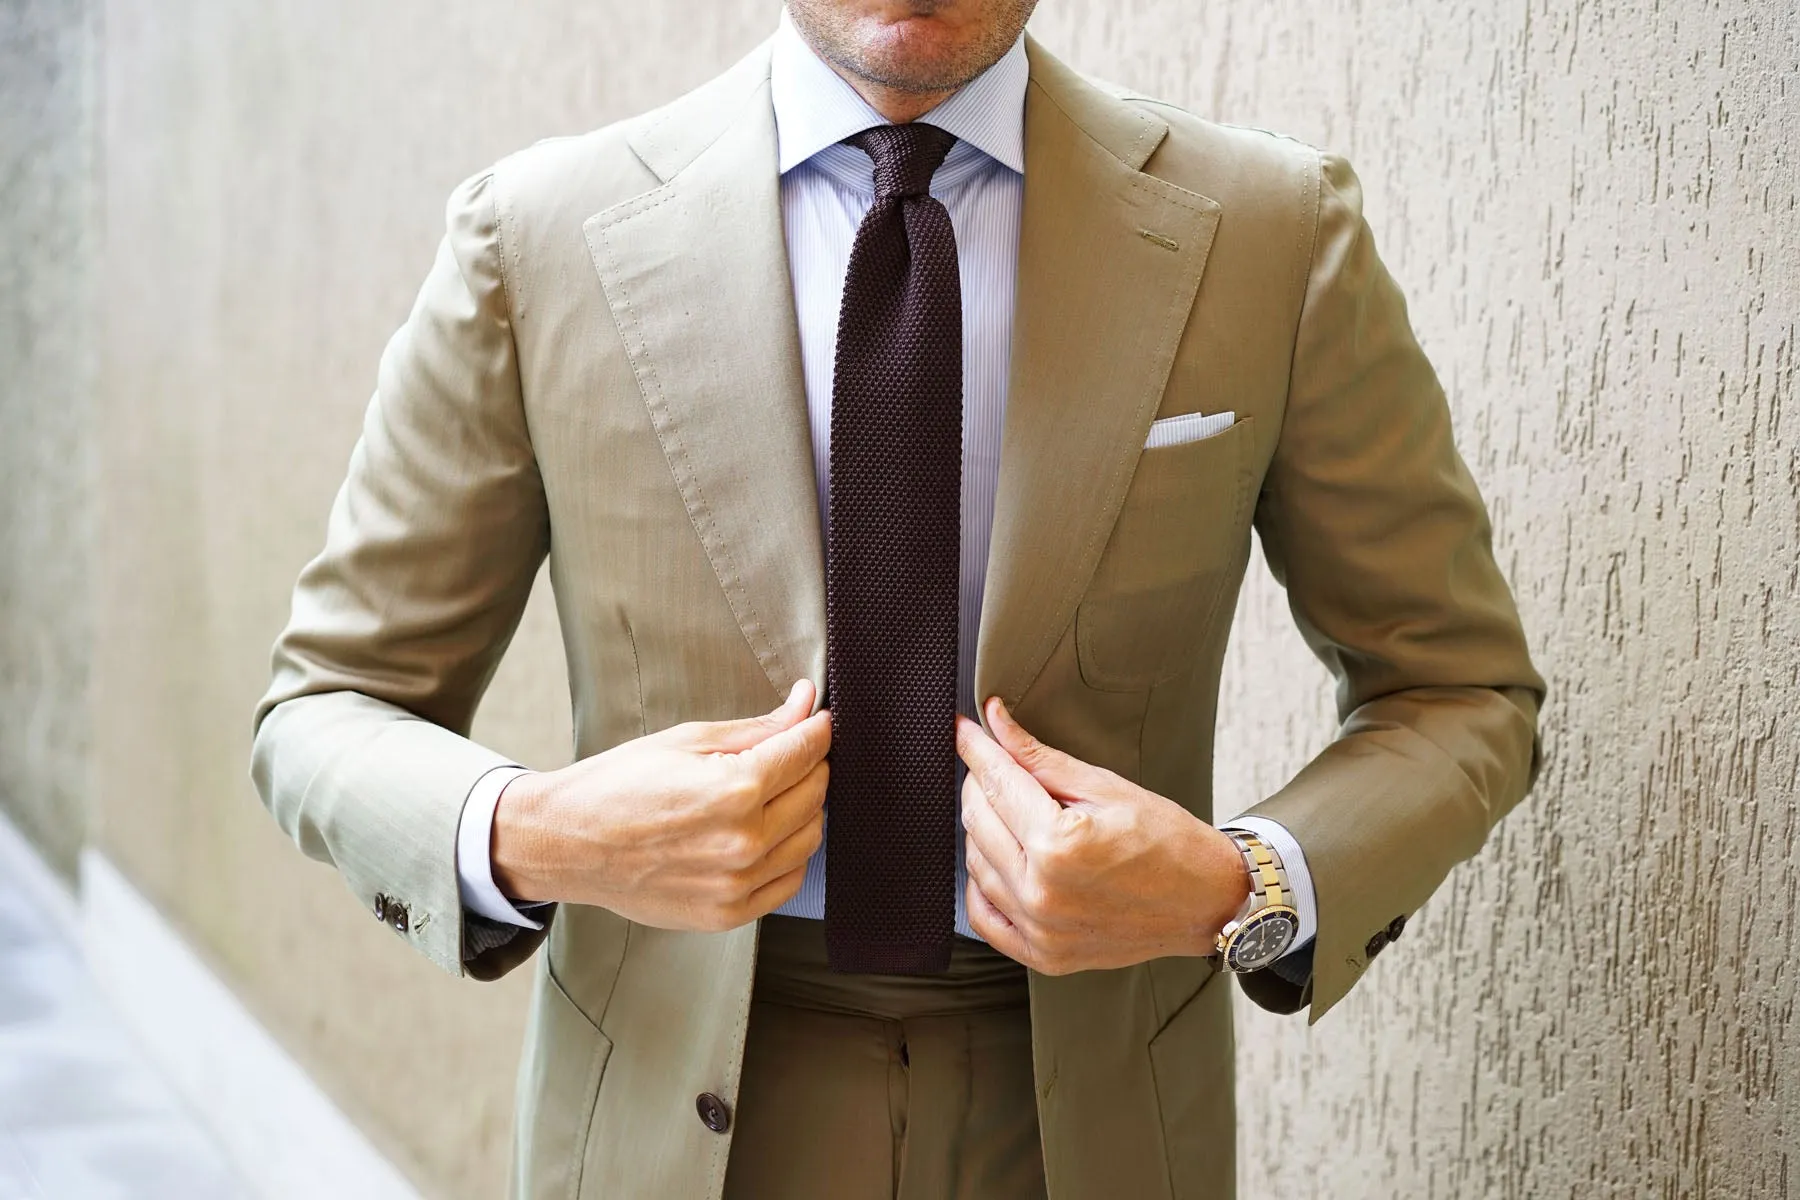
x=815 y=108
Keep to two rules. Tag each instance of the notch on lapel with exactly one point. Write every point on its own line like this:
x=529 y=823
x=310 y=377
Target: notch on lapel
x=1110 y=261
x=695 y=272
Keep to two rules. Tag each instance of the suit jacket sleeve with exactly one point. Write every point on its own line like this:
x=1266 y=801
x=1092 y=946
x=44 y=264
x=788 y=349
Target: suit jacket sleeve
x=1370 y=520
x=361 y=749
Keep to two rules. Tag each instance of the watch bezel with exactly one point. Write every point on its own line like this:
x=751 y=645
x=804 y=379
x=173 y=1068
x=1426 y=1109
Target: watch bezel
x=1234 y=938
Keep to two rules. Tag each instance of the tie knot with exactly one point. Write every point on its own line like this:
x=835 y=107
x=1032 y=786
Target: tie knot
x=905 y=156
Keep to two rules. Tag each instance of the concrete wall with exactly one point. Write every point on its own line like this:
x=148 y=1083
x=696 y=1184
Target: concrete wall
x=1590 y=206
x=48 y=372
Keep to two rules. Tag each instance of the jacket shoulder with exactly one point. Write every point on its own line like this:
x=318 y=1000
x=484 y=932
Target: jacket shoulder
x=576 y=176
x=1228 y=163
x=590 y=171
x=522 y=217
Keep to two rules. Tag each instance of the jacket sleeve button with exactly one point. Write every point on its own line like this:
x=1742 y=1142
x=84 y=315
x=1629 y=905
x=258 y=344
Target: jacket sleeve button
x=1396 y=927
x=398 y=916
x=1376 y=943
x=381 y=903
x=713 y=1113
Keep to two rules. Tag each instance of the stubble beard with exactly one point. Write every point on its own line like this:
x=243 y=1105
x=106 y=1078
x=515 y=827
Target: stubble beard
x=835 y=37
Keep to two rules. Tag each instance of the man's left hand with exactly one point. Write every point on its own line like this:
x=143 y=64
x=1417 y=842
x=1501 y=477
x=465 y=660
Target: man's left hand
x=1073 y=868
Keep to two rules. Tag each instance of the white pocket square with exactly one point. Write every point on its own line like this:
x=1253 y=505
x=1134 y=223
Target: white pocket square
x=1188 y=427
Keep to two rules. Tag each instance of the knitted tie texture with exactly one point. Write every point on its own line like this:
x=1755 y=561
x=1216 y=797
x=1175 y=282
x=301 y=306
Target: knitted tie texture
x=891 y=572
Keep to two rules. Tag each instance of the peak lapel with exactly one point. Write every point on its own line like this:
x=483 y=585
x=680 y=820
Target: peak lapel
x=695 y=272
x=1110 y=261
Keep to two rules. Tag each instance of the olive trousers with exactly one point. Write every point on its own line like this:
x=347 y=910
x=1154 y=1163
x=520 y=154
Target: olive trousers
x=897 y=1087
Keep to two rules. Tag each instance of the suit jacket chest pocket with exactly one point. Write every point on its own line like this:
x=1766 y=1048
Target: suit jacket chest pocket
x=1180 y=539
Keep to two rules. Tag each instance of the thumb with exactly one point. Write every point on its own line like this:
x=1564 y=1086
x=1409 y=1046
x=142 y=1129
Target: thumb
x=1062 y=775
x=738 y=735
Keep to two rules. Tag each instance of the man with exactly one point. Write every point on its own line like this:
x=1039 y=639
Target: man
x=903 y=362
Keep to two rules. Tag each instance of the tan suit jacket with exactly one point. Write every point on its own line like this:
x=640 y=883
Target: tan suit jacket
x=603 y=367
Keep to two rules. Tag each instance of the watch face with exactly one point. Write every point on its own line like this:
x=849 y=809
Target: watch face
x=1262 y=939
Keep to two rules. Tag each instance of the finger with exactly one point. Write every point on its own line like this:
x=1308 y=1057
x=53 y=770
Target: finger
x=987 y=830
x=790 y=853
x=997 y=888
x=771 y=896
x=1062 y=775
x=736 y=736
x=797 y=805
x=1021 y=801
x=781 y=760
x=994 y=928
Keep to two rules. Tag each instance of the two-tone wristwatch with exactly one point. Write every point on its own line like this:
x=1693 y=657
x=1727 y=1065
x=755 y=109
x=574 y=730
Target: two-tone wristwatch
x=1268 y=922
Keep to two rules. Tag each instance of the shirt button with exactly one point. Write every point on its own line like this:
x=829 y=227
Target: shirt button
x=713 y=1113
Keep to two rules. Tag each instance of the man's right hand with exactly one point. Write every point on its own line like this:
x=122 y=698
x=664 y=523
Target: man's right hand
x=704 y=826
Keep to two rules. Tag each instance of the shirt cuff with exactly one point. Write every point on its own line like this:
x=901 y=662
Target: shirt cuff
x=474 y=856
x=1293 y=861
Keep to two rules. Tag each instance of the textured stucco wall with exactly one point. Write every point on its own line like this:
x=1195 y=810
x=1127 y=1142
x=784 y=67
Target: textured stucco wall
x=48 y=369
x=1593 y=207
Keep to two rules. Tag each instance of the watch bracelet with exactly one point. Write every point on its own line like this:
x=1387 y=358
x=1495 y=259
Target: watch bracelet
x=1268 y=876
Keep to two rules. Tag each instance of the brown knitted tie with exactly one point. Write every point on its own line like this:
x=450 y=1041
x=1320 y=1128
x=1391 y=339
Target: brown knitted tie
x=891 y=572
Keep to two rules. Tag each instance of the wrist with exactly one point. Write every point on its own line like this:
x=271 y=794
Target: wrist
x=517 y=844
x=1225 y=887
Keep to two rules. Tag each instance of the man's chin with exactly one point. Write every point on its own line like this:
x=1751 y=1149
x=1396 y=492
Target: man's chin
x=917 y=55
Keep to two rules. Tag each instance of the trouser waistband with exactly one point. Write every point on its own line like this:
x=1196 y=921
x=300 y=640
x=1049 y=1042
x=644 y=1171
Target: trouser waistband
x=792 y=969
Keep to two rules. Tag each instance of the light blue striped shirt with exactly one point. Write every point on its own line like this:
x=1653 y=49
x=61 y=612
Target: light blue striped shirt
x=826 y=190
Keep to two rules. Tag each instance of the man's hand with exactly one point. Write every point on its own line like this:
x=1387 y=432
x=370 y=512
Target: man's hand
x=705 y=826
x=1073 y=868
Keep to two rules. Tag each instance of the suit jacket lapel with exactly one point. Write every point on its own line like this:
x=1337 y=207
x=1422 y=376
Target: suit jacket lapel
x=1110 y=260
x=696 y=274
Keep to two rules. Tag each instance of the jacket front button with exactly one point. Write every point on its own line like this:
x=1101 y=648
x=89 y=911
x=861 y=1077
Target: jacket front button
x=713 y=1113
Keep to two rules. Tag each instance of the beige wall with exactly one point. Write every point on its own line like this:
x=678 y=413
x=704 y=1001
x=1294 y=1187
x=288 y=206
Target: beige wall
x=1590 y=208
x=48 y=365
